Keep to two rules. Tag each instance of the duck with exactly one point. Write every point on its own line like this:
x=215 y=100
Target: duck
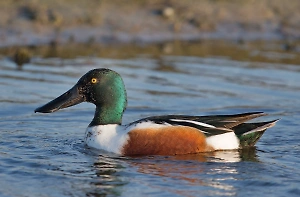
x=155 y=135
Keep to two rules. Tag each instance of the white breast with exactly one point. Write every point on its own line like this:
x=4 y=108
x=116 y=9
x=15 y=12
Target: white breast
x=107 y=137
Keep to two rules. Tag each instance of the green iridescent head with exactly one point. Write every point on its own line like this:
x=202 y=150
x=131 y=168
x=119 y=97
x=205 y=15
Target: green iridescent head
x=104 y=88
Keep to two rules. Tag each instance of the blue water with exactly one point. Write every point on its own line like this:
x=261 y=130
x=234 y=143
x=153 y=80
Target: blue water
x=44 y=154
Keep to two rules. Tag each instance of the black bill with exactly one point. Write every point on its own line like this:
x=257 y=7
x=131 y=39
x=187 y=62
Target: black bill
x=70 y=98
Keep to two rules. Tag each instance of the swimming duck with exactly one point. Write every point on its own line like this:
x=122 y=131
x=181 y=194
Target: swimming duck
x=157 y=135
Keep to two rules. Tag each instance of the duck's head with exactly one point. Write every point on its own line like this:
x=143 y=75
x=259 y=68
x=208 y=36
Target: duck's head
x=103 y=87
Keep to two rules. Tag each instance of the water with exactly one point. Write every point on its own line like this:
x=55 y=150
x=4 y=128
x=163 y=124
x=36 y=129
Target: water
x=44 y=154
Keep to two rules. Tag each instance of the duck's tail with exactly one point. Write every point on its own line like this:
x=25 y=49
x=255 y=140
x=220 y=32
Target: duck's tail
x=249 y=133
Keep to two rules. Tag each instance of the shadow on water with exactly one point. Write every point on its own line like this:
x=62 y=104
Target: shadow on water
x=254 y=51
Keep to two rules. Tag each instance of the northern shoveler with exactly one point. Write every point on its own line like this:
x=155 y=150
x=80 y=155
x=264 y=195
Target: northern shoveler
x=157 y=135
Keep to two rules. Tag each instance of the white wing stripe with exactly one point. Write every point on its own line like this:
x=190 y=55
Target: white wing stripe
x=194 y=122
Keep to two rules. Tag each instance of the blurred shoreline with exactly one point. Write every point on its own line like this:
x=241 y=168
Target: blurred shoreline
x=37 y=22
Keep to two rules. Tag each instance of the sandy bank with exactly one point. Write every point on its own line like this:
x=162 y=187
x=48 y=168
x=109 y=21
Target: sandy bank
x=37 y=22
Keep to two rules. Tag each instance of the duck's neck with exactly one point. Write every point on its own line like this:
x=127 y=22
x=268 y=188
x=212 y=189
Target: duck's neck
x=107 y=115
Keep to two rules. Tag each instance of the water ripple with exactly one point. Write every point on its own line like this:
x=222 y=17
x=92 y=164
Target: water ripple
x=44 y=155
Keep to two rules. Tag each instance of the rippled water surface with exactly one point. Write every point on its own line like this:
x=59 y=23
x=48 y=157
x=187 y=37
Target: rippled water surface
x=44 y=154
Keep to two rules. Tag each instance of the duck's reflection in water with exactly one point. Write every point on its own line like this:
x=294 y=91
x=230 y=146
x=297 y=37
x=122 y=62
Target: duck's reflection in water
x=188 y=175
x=209 y=173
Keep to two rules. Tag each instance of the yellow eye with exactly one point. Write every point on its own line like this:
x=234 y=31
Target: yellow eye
x=94 y=80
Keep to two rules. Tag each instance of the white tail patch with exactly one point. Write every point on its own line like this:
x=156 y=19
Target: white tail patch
x=194 y=122
x=225 y=141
